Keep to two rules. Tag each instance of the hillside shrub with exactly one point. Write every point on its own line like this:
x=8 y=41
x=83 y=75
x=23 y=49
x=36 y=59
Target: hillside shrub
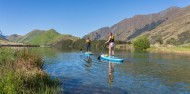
x=171 y=41
x=141 y=43
x=156 y=39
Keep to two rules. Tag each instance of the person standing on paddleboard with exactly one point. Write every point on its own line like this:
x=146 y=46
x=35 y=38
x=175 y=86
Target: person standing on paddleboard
x=88 y=43
x=111 y=44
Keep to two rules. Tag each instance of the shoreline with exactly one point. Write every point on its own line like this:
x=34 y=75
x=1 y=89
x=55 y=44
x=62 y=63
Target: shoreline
x=159 y=49
x=181 y=50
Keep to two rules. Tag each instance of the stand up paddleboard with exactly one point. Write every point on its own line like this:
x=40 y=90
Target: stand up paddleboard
x=111 y=58
x=88 y=53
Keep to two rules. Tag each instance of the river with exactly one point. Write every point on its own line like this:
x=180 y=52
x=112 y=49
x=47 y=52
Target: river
x=140 y=73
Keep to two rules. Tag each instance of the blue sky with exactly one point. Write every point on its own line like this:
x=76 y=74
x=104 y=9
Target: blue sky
x=76 y=17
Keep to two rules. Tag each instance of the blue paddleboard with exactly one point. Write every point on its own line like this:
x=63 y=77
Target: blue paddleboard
x=111 y=58
x=88 y=53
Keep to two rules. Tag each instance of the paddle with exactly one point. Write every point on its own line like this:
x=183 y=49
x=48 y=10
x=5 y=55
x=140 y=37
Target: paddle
x=101 y=51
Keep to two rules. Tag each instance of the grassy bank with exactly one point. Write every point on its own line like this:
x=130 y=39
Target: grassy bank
x=177 y=49
x=154 y=48
x=21 y=73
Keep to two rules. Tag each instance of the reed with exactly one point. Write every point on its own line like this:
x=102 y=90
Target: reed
x=21 y=73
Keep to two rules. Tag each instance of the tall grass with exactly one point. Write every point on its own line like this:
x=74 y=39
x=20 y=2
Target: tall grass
x=21 y=73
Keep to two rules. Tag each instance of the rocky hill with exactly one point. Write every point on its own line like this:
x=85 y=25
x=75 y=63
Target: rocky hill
x=176 y=32
x=130 y=28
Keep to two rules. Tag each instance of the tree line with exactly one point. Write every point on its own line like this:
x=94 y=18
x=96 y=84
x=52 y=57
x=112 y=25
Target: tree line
x=81 y=44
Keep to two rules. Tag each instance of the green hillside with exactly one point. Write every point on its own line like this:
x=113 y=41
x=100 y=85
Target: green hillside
x=30 y=36
x=42 y=37
x=46 y=38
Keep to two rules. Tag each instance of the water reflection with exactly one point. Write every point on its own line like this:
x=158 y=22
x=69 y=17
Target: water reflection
x=110 y=73
x=143 y=73
x=88 y=61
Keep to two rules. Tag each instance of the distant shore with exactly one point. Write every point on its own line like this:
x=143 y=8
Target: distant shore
x=183 y=49
x=180 y=50
x=19 y=45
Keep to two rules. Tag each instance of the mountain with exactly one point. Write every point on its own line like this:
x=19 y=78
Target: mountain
x=41 y=37
x=4 y=40
x=50 y=37
x=2 y=37
x=30 y=36
x=176 y=32
x=130 y=28
x=14 y=37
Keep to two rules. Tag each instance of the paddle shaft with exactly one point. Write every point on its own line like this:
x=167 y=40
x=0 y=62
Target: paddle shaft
x=101 y=51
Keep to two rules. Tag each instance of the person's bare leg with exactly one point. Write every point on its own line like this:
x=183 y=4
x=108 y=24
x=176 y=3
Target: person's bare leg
x=113 y=53
x=110 y=51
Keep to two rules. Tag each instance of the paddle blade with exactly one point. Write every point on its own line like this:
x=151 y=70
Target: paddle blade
x=98 y=57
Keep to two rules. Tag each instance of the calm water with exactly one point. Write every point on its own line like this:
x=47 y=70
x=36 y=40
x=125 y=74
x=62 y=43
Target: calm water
x=140 y=73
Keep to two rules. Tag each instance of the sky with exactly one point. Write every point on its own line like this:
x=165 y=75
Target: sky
x=75 y=17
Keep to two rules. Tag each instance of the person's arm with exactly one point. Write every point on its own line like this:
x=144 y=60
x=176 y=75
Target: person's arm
x=108 y=40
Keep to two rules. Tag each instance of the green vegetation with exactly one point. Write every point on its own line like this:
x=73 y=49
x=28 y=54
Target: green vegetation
x=46 y=38
x=141 y=43
x=42 y=37
x=30 y=36
x=79 y=44
x=185 y=45
x=169 y=49
x=180 y=48
x=98 y=44
x=51 y=37
x=21 y=73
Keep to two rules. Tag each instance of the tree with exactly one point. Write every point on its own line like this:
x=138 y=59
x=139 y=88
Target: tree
x=141 y=43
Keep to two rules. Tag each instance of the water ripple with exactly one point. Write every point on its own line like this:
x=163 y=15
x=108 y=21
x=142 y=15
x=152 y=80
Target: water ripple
x=147 y=74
